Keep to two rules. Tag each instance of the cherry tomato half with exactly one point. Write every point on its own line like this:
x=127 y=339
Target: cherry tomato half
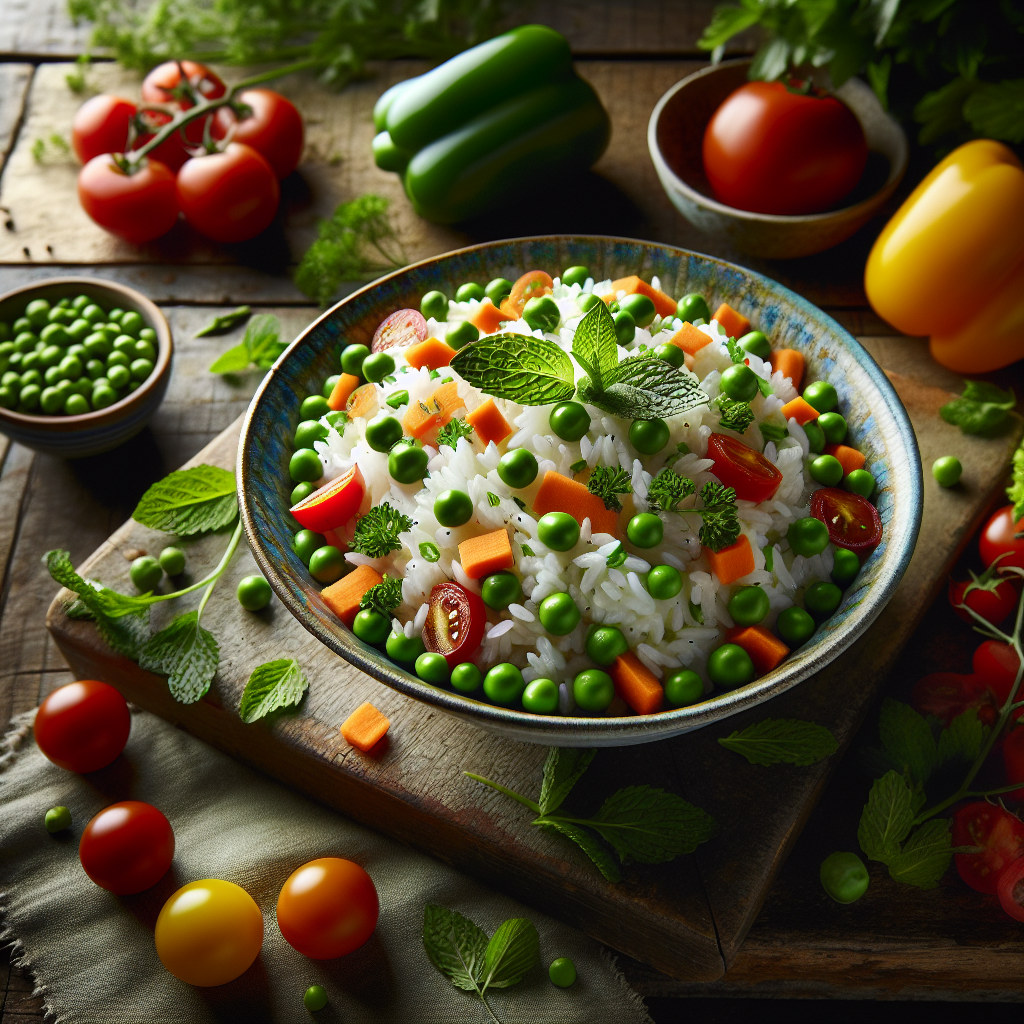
x=1011 y=889
x=1001 y=535
x=333 y=505
x=531 y=285
x=83 y=726
x=127 y=847
x=455 y=623
x=100 y=126
x=853 y=522
x=405 y=327
x=209 y=932
x=139 y=207
x=746 y=471
x=998 y=664
x=327 y=908
x=948 y=694
x=999 y=834
x=269 y=123
x=1013 y=759
x=993 y=603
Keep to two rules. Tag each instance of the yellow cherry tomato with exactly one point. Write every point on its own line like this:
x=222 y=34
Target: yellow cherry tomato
x=209 y=932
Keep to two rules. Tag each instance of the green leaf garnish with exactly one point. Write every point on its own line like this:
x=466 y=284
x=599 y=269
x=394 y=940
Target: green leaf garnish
x=578 y=467
x=607 y=483
x=527 y=370
x=594 y=345
x=513 y=950
x=925 y=856
x=588 y=843
x=563 y=768
x=430 y=551
x=384 y=597
x=720 y=525
x=887 y=818
x=187 y=654
x=983 y=409
x=1015 y=492
x=271 y=686
x=225 y=322
x=644 y=387
x=450 y=433
x=735 y=415
x=782 y=741
x=773 y=431
x=493 y=500
x=377 y=532
x=190 y=501
x=667 y=489
x=907 y=740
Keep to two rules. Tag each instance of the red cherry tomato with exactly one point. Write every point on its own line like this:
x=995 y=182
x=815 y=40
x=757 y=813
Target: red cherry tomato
x=405 y=327
x=1002 y=534
x=1011 y=889
x=139 y=207
x=101 y=126
x=163 y=85
x=948 y=694
x=772 y=150
x=998 y=664
x=993 y=603
x=230 y=196
x=83 y=726
x=272 y=126
x=455 y=623
x=127 y=847
x=999 y=834
x=333 y=505
x=853 y=522
x=173 y=151
x=327 y=908
x=746 y=471
x=1013 y=759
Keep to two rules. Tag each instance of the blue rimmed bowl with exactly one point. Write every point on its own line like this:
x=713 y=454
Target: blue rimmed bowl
x=878 y=426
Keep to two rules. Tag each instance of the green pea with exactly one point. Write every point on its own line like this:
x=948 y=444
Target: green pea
x=757 y=344
x=305 y=465
x=693 y=307
x=453 y=508
x=833 y=426
x=97 y=346
x=569 y=421
x=114 y=316
x=605 y=644
x=326 y=565
x=78 y=330
x=517 y=468
x=71 y=367
x=946 y=471
x=51 y=401
x=407 y=463
x=542 y=314
x=541 y=697
x=80 y=302
x=497 y=290
x=649 y=436
x=253 y=593
x=314 y=998
x=821 y=395
x=664 y=582
x=826 y=470
x=10 y=377
x=575 y=275
x=309 y=431
x=383 y=432
x=558 y=614
x=122 y=343
x=501 y=589
x=146 y=574
x=469 y=291
x=300 y=492
x=807 y=536
x=593 y=689
x=8 y=398
x=21 y=324
x=845 y=566
x=683 y=687
x=859 y=481
x=82 y=386
x=141 y=369
x=625 y=326
x=304 y=543
x=588 y=301
x=172 y=560
x=432 y=668
x=435 y=305
x=132 y=323
x=844 y=877
x=795 y=626
x=739 y=382
x=76 y=405
x=377 y=366
x=369 y=625
x=466 y=678
x=815 y=436
x=504 y=684
x=672 y=354
x=558 y=531
x=460 y=334
x=822 y=599
x=730 y=666
x=103 y=397
x=94 y=370
x=403 y=648
x=352 y=357
x=36 y=312
x=118 y=375
x=640 y=308
x=148 y=334
x=57 y=819
x=397 y=399
x=313 y=408
x=31 y=376
x=30 y=361
x=645 y=530
x=749 y=605
x=55 y=334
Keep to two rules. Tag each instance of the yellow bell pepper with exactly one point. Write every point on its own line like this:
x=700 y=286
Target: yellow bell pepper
x=950 y=263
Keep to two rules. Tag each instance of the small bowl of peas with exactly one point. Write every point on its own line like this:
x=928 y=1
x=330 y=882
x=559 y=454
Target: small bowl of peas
x=84 y=364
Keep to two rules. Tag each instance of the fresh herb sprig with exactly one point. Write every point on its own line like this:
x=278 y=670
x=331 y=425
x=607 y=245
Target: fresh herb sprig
x=260 y=347
x=981 y=409
x=1015 y=492
x=640 y=823
x=782 y=741
x=450 y=433
x=377 y=532
x=384 y=597
x=667 y=489
x=224 y=322
x=272 y=687
x=607 y=483
x=735 y=415
x=720 y=525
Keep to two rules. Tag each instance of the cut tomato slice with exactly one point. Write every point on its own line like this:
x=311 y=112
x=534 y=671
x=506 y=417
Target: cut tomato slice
x=853 y=522
x=948 y=694
x=455 y=623
x=1000 y=836
x=746 y=471
x=333 y=505
x=1011 y=889
x=531 y=285
x=402 y=328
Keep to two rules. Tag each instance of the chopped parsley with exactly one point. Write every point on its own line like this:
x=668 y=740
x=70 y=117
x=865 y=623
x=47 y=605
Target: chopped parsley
x=608 y=482
x=735 y=415
x=667 y=489
x=377 y=532
x=450 y=433
x=578 y=467
x=385 y=597
x=720 y=525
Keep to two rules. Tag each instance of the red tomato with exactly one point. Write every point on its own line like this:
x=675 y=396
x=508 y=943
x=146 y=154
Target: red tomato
x=948 y=694
x=83 y=726
x=1011 y=889
x=999 y=833
x=101 y=126
x=998 y=664
x=746 y=471
x=333 y=505
x=1013 y=759
x=163 y=83
x=272 y=126
x=455 y=623
x=853 y=522
x=230 y=196
x=531 y=285
x=402 y=328
x=772 y=150
x=1000 y=535
x=127 y=847
x=174 y=151
x=327 y=908
x=139 y=207
x=993 y=603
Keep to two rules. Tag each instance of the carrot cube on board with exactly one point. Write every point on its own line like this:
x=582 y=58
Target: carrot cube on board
x=664 y=305
x=690 y=339
x=347 y=383
x=365 y=727
x=491 y=552
x=734 y=324
x=435 y=411
x=488 y=318
x=849 y=458
x=765 y=649
x=344 y=596
x=559 y=493
x=431 y=353
x=488 y=422
x=733 y=562
x=636 y=684
x=800 y=410
x=789 y=363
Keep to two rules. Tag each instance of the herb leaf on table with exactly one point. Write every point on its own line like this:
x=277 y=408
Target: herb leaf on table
x=270 y=687
x=563 y=768
x=260 y=347
x=513 y=950
x=527 y=370
x=982 y=409
x=925 y=856
x=887 y=818
x=782 y=741
x=225 y=322
x=190 y=501
x=589 y=844
x=187 y=654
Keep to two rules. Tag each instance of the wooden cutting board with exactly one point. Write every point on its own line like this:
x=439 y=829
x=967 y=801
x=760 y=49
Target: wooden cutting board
x=687 y=918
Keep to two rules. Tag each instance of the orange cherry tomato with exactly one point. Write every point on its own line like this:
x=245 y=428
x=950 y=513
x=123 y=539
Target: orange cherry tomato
x=853 y=522
x=746 y=471
x=531 y=285
x=127 y=847
x=83 y=726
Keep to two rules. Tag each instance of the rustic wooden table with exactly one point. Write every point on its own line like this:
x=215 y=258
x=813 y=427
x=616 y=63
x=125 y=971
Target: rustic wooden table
x=895 y=944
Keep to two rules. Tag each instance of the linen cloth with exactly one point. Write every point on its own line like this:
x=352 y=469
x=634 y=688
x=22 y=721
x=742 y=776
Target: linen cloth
x=92 y=953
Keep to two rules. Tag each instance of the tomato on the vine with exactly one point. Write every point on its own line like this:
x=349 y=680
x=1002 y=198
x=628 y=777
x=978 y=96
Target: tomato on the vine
x=83 y=726
x=948 y=694
x=1011 y=889
x=993 y=600
x=127 y=847
x=1002 y=535
x=101 y=125
x=455 y=623
x=1013 y=759
x=1000 y=836
x=265 y=120
x=163 y=84
x=139 y=207
x=998 y=664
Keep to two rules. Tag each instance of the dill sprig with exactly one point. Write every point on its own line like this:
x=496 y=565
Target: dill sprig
x=720 y=525
x=385 y=597
x=377 y=532
x=450 y=433
x=735 y=415
x=608 y=482
x=667 y=489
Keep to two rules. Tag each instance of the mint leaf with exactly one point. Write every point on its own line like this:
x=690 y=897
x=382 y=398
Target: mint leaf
x=273 y=685
x=455 y=945
x=907 y=739
x=589 y=844
x=644 y=387
x=961 y=739
x=190 y=501
x=513 y=950
x=983 y=409
x=263 y=340
x=782 y=740
x=235 y=360
x=594 y=344
x=563 y=768
x=187 y=654
x=886 y=819
x=530 y=371
x=225 y=322
x=925 y=857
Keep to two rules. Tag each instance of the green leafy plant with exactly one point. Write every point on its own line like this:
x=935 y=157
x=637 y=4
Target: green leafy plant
x=271 y=687
x=667 y=489
x=450 y=433
x=224 y=322
x=608 y=482
x=1015 y=492
x=720 y=525
x=640 y=823
x=377 y=532
x=260 y=347
x=77 y=80
x=982 y=409
x=782 y=741
x=385 y=596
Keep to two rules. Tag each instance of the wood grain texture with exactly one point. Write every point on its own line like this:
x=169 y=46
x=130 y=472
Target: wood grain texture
x=14 y=83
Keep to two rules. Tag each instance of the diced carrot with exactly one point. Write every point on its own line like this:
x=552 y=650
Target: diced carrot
x=363 y=402
x=488 y=318
x=344 y=596
x=765 y=649
x=559 y=493
x=489 y=424
x=690 y=339
x=664 y=304
x=732 y=562
x=432 y=353
x=734 y=324
x=435 y=411
x=491 y=552
x=636 y=684
x=799 y=409
x=365 y=727
x=347 y=383
x=790 y=363
x=849 y=458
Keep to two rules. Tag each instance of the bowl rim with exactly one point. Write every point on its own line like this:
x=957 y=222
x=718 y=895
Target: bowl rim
x=896 y=169
x=576 y=730
x=95 y=417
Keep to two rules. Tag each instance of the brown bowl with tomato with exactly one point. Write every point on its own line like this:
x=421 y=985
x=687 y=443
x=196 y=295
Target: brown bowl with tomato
x=776 y=170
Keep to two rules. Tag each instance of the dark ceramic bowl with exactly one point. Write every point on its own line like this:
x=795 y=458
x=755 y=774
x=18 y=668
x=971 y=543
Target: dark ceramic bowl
x=877 y=421
x=90 y=433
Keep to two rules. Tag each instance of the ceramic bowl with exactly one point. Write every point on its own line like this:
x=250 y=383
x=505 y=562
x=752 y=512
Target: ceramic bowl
x=877 y=421
x=92 y=432
x=675 y=136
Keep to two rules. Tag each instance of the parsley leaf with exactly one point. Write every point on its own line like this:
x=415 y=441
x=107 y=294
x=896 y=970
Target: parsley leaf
x=527 y=370
x=271 y=686
x=782 y=740
x=260 y=347
x=384 y=597
x=190 y=501
x=607 y=483
x=735 y=415
x=377 y=532
x=720 y=525
x=1015 y=492
x=667 y=489
x=225 y=322
x=982 y=409
x=450 y=433
x=187 y=654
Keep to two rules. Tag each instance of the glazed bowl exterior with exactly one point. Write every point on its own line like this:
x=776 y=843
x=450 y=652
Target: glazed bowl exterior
x=878 y=426
x=675 y=135
x=71 y=437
